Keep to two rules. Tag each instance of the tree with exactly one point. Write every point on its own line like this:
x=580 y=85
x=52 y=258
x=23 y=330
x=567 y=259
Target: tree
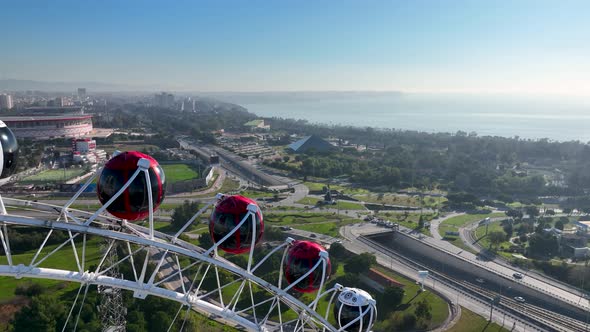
x=390 y=298
x=423 y=310
x=559 y=225
x=360 y=263
x=160 y=321
x=532 y=211
x=516 y=214
x=496 y=238
x=508 y=229
x=45 y=313
x=421 y=222
x=183 y=213
x=543 y=245
x=205 y=241
x=337 y=250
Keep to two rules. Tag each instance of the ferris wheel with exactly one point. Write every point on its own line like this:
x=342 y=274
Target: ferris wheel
x=274 y=286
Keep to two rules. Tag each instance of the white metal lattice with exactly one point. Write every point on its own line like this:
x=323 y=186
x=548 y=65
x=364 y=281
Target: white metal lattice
x=199 y=279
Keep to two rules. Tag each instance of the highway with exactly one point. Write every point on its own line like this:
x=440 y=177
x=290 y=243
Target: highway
x=467 y=233
x=470 y=295
x=458 y=296
x=535 y=281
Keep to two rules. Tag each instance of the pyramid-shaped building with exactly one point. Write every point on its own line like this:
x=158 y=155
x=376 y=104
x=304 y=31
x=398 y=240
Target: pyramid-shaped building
x=311 y=143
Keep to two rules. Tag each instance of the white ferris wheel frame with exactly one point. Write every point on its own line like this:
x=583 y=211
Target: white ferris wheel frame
x=146 y=238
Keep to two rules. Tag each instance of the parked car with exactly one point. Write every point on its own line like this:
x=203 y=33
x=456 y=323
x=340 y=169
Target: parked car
x=518 y=275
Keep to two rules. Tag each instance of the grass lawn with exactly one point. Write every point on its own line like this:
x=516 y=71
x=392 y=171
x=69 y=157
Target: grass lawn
x=349 y=206
x=283 y=208
x=62 y=259
x=129 y=147
x=229 y=185
x=286 y=219
x=471 y=322
x=465 y=219
x=309 y=201
x=453 y=225
x=439 y=308
x=86 y=207
x=404 y=200
x=318 y=186
x=53 y=175
x=493 y=227
x=253 y=194
x=179 y=172
x=327 y=228
x=410 y=220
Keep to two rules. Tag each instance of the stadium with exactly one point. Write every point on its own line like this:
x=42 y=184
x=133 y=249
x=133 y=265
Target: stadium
x=47 y=127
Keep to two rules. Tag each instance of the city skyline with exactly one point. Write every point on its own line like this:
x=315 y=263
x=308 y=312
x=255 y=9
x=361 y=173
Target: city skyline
x=418 y=46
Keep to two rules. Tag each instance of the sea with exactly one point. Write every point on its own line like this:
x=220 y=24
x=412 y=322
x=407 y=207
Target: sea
x=557 y=118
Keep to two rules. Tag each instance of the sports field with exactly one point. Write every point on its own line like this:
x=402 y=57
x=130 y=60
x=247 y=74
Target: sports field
x=179 y=172
x=54 y=175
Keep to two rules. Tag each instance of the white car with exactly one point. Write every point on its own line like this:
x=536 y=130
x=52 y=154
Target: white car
x=519 y=299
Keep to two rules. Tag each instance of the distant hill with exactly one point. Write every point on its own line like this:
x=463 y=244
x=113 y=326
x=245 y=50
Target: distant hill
x=21 y=85
x=48 y=86
x=295 y=96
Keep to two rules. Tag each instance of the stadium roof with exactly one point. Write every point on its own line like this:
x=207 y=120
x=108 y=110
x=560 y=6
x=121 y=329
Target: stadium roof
x=311 y=143
x=44 y=118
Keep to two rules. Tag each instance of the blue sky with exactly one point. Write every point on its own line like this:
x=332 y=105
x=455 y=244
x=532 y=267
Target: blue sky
x=436 y=46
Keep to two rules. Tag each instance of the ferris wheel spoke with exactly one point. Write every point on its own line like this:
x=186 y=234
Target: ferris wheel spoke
x=67 y=214
x=81 y=306
x=174 y=319
x=82 y=269
x=196 y=275
x=143 y=271
x=75 y=251
x=275 y=299
x=186 y=315
x=252 y=301
x=54 y=250
x=178 y=272
x=280 y=316
x=41 y=247
x=219 y=287
x=234 y=300
x=157 y=269
x=129 y=257
x=72 y=308
x=180 y=276
x=6 y=244
x=202 y=280
x=105 y=254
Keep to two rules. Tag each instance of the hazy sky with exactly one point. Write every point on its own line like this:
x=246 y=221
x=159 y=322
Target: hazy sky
x=478 y=45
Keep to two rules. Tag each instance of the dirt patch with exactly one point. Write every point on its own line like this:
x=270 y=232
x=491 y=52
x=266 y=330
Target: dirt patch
x=10 y=307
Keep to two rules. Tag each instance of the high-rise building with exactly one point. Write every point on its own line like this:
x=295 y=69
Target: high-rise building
x=57 y=102
x=164 y=100
x=6 y=102
x=188 y=105
x=81 y=93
